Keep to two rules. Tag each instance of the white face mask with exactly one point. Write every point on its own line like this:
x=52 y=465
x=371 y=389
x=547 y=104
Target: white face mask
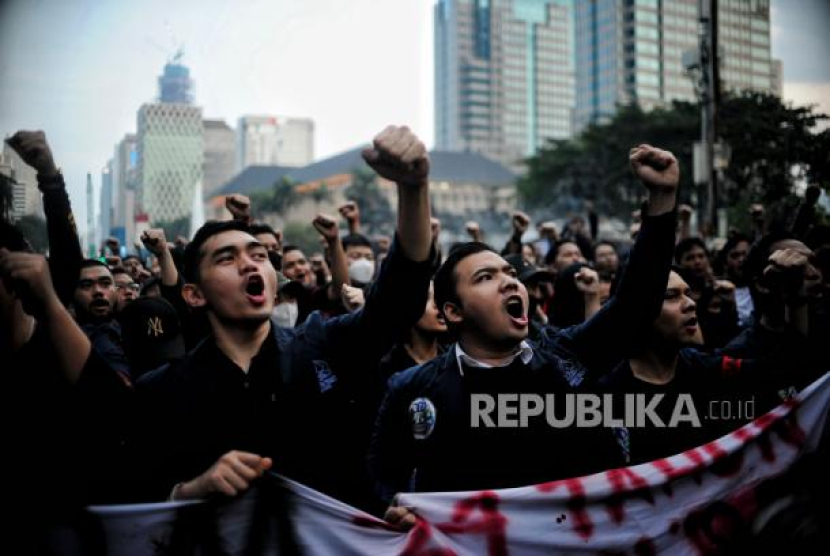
x=285 y=314
x=362 y=271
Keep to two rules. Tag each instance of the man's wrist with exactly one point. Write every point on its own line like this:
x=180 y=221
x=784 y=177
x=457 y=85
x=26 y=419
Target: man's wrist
x=50 y=180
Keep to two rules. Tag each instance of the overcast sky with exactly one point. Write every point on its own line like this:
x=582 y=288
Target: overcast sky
x=80 y=69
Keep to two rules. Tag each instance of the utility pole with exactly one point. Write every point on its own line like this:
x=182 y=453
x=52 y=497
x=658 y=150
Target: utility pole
x=710 y=98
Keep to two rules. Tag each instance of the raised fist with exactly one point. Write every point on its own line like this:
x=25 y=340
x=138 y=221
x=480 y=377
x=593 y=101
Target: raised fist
x=154 y=240
x=656 y=168
x=32 y=147
x=27 y=275
x=352 y=297
x=327 y=226
x=398 y=155
x=349 y=211
x=521 y=222
x=587 y=281
x=472 y=228
x=684 y=212
x=239 y=206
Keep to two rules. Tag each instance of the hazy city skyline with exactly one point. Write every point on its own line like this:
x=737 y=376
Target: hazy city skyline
x=80 y=69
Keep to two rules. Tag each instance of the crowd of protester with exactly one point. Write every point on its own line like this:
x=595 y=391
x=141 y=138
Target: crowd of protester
x=187 y=369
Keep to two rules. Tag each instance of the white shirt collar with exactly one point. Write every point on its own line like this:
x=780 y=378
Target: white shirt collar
x=524 y=351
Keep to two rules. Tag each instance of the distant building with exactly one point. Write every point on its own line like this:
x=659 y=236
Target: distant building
x=124 y=183
x=504 y=76
x=175 y=84
x=777 y=78
x=170 y=158
x=632 y=52
x=171 y=148
x=25 y=194
x=461 y=184
x=274 y=141
x=105 y=221
x=220 y=155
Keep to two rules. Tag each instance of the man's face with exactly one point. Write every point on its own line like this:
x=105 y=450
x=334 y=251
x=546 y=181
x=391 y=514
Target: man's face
x=126 y=290
x=566 y=255
x=95 y=293
x=432 y=321
x=357 y=252
x=494 y=304
x=296 y=267
x=735 y=259
x=606 y=258
x=677 y=324
x=133 y=266
x=238 y=283
x=695 y=259
x=269 y=241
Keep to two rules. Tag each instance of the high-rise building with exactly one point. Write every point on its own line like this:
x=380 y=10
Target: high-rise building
x=171 y=149
x=170 y=157
x=220 y=155
x=124 y=180
x=106 y=199
x=175 y=84
x=25 y=194
x=632 y=51
x=504 y=77
x=274 y=141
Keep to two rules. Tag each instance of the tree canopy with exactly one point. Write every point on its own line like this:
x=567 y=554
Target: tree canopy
x=772 y=147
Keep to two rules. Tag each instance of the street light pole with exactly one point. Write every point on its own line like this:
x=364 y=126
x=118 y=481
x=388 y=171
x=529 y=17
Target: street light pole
x=710 y=97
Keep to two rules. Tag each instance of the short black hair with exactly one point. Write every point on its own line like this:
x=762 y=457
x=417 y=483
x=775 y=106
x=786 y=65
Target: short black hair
x=193 y=252
x=87 y=263
x=262 y=228
x=445 y=280
x=136 y=257
x=149 y=284
x=550 y=256
x=687 y=244
x=358 y=240
x=288 y=248
x=120 y=270
x=733 y=241
x=602 y=242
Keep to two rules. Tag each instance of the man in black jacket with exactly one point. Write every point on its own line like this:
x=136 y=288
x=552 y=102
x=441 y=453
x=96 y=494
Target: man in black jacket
x=425 y=438
x=254 y=396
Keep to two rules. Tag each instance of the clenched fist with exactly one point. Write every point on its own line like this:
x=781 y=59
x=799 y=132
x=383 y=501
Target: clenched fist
x=239 y=206
x=521 y=222
x=154 y=241
x=398 y=155
x=327 y=226
x=32 y=147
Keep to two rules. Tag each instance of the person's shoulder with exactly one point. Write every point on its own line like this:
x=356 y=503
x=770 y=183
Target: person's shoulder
x=422 y=376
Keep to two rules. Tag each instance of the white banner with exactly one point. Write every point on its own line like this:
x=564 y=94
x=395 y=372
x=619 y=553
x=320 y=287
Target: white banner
x=692 y=503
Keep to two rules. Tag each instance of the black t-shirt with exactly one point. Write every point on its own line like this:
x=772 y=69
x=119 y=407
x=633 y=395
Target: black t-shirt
x=649 y=442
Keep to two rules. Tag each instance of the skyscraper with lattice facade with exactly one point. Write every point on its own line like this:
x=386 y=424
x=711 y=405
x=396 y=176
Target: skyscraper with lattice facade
x=170 y=153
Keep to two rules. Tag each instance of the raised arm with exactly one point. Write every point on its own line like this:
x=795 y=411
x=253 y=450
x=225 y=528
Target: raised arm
x=327 y=226
x=399 y=156
x=155 y=242
x=398 y=296
x=28 y=275
x=65 y=253
x=628 y=316
x=521 y=222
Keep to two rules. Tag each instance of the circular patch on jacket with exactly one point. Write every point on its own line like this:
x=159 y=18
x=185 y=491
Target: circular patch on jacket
x=422 y=417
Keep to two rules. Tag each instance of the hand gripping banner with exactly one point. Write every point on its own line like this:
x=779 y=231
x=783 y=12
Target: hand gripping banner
x=708 y=500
